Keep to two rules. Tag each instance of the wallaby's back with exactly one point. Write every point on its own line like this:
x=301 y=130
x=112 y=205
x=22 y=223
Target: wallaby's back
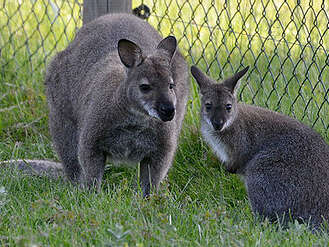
x=284 y=163
x=287 y=169
x=261 y=129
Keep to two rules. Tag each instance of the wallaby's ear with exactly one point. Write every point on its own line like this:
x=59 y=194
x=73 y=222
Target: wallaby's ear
x=130 y=53
x=231 y=82
x=201 y=78
x=168 y=44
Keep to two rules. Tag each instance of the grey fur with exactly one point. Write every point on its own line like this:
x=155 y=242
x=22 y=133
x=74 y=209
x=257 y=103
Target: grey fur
x=284 y=163
x=36 y=167
x=97 y=109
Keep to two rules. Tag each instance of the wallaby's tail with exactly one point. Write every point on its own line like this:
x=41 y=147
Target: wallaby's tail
x=36 y=167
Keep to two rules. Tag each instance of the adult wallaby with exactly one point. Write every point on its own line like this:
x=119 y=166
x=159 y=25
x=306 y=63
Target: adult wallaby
x=118 y=91
x=284 y=164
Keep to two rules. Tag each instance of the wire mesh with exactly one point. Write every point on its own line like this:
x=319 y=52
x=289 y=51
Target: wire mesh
x=31 y=31
x=285 y=42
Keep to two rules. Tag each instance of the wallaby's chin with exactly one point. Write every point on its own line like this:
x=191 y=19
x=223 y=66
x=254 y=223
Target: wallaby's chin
x=153 y=113
x=164 y=115
x=218 y=129
x=165 y=118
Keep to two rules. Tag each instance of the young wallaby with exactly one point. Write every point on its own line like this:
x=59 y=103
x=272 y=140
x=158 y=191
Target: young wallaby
x=284 y=164
x=118 y=91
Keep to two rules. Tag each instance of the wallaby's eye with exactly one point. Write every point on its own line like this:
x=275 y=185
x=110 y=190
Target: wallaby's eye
x=145 y=88
x=208 y=106
x=228 y=107
x=172 y=85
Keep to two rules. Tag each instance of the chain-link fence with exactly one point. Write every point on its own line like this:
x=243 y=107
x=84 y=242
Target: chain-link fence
x=31 y=31
x=285 y=42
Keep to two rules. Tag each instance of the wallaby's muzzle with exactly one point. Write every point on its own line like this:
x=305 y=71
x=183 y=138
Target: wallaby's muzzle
x=217 y=123
x=166 y=111
x=218 y=118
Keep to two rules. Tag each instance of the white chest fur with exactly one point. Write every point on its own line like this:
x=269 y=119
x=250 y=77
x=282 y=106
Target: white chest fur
x=214 y=141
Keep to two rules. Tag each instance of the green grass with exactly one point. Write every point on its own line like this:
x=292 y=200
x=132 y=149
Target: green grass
x=204 y=212
x=199 y=204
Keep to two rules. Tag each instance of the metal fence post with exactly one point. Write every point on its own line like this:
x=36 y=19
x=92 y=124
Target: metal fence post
x=95 y=8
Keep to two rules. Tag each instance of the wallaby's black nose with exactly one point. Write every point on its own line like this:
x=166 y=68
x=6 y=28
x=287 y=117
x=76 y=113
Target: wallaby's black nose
x=217 y=124
x=166 y=112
